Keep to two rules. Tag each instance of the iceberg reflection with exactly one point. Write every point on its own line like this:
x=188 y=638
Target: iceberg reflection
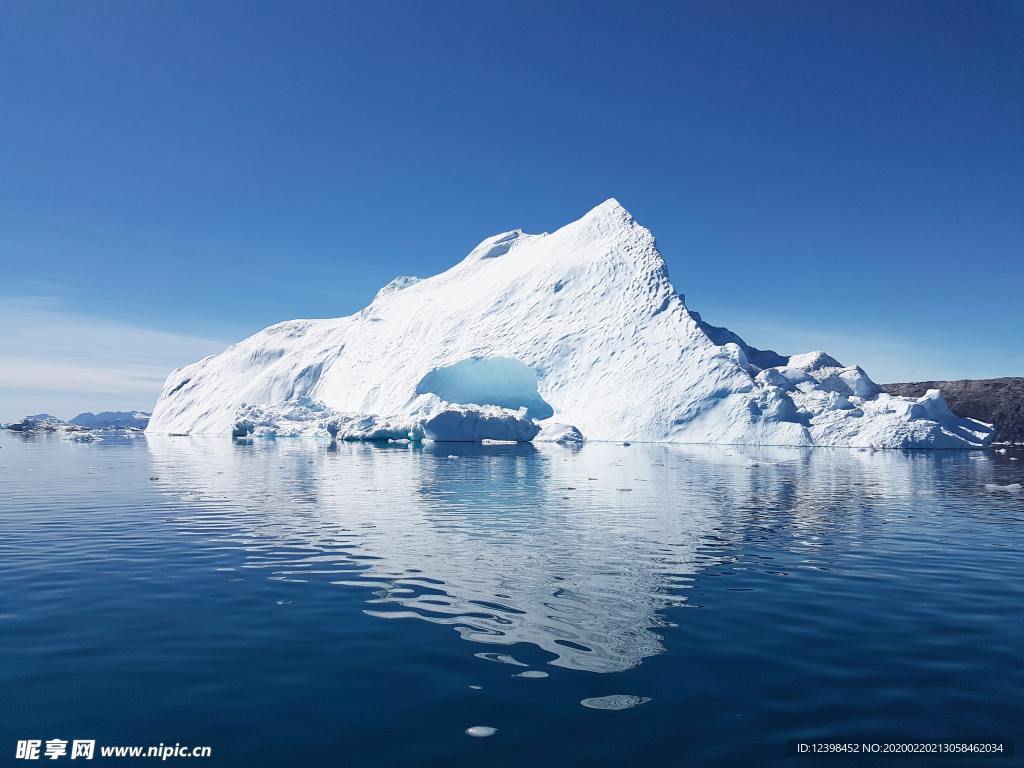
x=577 y=552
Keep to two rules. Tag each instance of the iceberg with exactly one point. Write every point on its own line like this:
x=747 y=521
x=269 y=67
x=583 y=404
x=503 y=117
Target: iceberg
x=570 y=335
x=39 y=422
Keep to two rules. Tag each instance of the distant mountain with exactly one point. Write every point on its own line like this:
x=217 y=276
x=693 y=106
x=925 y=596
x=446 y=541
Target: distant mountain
x=994 y=401
x=44 y=422
x=112 y=420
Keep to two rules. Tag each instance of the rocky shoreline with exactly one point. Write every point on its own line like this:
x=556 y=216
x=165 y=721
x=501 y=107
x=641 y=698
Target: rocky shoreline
x=994 y=401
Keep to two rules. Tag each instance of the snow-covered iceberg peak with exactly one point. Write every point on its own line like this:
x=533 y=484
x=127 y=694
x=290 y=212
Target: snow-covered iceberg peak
x=580 y=327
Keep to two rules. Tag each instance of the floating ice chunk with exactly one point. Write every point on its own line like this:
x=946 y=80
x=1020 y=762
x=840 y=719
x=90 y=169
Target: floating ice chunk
x=473 y=423
x=370 y=427
x=532 y=673
x=82 y=437
x=481 y=731
x=1011 y=488
x=304 y=417
x=615 y=702
x=555 y=432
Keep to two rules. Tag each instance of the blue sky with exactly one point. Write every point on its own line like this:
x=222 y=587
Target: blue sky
x=174 y=176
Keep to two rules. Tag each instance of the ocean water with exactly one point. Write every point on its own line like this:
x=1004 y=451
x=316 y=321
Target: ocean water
x=295 y=603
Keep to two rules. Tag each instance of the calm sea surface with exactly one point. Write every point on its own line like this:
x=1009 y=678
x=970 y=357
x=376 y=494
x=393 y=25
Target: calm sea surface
x=299 y=604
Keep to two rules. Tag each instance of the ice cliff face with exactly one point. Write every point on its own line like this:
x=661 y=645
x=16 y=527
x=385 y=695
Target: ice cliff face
x=577 y=328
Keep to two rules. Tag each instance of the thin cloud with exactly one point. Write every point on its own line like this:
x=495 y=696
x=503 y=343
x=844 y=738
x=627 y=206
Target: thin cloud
x=47 y=348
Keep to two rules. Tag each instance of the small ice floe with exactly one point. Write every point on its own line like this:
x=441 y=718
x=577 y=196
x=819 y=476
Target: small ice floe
x=1014 y=458
x=615 y=702
x=82 y=437
x=452 y=457
x=553 y=432
x=488 y=441
x=481 y=731
x=1000 y=450
x=1011 y=488
x=476 y=687
x=534 y=673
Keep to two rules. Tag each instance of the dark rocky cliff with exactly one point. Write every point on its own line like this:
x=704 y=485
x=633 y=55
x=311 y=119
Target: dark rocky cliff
x=995 y=401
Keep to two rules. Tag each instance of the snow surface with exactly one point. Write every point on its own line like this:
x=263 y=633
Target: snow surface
x=581 y=327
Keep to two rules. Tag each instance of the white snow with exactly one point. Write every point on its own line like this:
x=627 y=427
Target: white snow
x=581 y=327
